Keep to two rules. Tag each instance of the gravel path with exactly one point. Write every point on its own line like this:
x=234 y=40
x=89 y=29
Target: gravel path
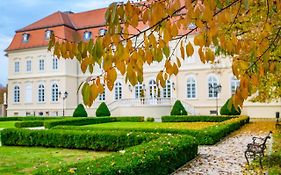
x=226 y=157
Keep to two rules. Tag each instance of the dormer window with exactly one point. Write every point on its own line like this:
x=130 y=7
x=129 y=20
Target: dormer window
x=102 y=32
x=87 y=35
x=48 y=34
x=25 y=37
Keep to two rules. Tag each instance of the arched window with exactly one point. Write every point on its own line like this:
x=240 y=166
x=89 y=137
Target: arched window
x=167 y=89
x=191 y=87
x=212 y=82
x=55 y=92
x=28 y=94
x=234 y=84
x=16 y=94
x=138 y=89
x=118 y=91
x=41 y=93
x=152 y=89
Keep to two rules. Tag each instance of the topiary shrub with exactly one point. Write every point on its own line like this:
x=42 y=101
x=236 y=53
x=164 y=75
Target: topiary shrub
x=150 y=119
x=178 y=109
x=102 y=110
x=226 y=110
x=80 y=111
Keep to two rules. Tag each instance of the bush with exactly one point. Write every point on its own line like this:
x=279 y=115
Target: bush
x=129 y=119
x=150 y=119
x=98 y=140
x=206 y=136
x=226 y=111
x=24 y=124
x=178 y=109
x=78 y=121
x=161 y=156
x=194 y=118
x=80 y=111
x=102 y=110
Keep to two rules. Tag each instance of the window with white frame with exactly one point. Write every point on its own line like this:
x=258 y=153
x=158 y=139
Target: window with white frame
x=28 y=93
x=16 y=94
x=167 y=89
x=234 y=84
x=28 y=66
x=41 y=65
x=48 y=34
x=55 y=92
x=41 y=93
x=152 y=89
x=138 y=89
x=87 y=35
x=191 y=87
x=55 y=63
x=212 y=82
x=118 y=91
x=102 y=96
x=25 y=37
x=17 y=66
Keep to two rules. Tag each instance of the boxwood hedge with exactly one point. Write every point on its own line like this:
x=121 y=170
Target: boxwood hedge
x=99 y=140
x=29 y=118
x=160 y=156
x=195 y=118
x=207 y=136
x=92 y=120
x=31 y=123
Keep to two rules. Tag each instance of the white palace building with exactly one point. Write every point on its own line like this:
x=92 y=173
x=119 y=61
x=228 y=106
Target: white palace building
x=37 y=81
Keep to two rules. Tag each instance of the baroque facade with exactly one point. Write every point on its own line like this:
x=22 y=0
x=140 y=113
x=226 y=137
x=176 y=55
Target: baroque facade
x=36 y=78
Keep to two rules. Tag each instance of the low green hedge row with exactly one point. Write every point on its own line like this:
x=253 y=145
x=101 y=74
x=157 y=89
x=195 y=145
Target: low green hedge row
x=207 y=136
x=31 y=123
x=92 y=120
x=194 y=118
x=78 y=121
x=161 y=156
x=29 y=118
x=99 y=140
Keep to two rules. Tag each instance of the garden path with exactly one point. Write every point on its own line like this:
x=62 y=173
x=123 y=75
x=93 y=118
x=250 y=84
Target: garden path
x=227 y=156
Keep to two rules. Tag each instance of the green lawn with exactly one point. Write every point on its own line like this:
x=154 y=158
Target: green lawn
x=9 y=124
x=172 y=125
x=23 y=160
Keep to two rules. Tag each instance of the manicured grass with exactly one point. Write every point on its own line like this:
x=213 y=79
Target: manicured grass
x=275 y=158
x=23 y=160
x=9 y=124
x=172 y=125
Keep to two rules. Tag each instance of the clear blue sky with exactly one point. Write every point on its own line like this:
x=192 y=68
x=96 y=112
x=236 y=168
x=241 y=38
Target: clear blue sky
x=16 y=14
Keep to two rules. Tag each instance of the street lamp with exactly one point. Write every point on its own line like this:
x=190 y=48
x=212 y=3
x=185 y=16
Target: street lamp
x=217 y=89
x=63 y=96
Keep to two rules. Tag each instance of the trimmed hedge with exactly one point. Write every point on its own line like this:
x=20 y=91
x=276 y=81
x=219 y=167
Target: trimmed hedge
x=178 y=109
x=92 y=120
x=150 y=119
x=24 y=124
x=207 y=136
x=29 y=118
x=78 y=121
x=80 y=111
x=161 y=156
x=99 y=140
x=194 y=118
x=102 y=110
x=129 y=119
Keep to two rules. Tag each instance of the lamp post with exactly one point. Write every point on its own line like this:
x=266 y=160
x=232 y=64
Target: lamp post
x=63 y=96
x=217 y=89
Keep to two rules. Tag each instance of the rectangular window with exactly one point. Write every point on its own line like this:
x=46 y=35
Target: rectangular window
x=55 y=63
x=102 y=97
x=28 y=66
x=41 y=65
x=17 y=66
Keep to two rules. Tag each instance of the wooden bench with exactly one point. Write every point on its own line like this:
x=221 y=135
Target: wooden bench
x=256 y=148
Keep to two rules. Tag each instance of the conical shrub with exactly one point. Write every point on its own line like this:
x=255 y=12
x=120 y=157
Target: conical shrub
x=80 y=111
x=102 y=110
x=226 y=110
x=178 y=109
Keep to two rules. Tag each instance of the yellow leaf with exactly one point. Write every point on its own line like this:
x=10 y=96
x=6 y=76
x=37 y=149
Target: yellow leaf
x=94 y=91
x=112 y=75
x=189 y=49
x=201 y=55
x=174 y=31
x=210 y=55
x=182 y=51
x=175 y=69
x=178 y=62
